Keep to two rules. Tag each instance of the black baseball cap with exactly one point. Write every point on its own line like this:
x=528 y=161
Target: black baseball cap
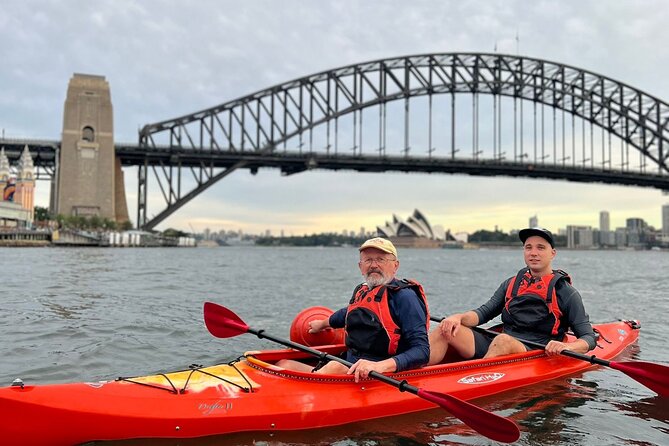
x=545 y=234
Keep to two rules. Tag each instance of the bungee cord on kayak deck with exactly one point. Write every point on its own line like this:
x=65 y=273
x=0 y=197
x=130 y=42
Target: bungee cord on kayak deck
x=192 y=370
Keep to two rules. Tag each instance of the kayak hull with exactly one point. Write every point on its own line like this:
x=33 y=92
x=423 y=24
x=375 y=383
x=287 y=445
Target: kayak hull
x=255 y=395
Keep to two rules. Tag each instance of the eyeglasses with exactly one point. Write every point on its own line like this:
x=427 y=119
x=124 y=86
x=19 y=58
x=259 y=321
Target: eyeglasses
x=378 y=261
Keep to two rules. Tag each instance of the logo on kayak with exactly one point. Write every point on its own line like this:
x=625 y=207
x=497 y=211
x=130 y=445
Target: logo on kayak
x=217 y=407
x=622 y=332
x=96 y=385
x=481 y=378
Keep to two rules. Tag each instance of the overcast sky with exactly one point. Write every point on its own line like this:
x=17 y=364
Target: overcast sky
x=164 y=59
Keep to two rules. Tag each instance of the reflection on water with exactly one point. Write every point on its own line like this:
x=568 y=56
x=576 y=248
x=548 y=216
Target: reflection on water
x=95 y=314
x=654 y=408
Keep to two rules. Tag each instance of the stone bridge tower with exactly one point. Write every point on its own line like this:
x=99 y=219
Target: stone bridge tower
x=90 y=179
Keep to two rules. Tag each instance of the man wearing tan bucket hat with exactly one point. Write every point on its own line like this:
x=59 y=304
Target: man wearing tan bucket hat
x=386 y=321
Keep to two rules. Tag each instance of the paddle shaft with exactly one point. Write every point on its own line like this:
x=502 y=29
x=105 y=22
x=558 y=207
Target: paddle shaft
x=224 y=323
x=592 y=359
x=401 y=385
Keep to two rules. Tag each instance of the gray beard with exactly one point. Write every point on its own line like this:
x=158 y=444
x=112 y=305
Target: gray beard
x=375 y=280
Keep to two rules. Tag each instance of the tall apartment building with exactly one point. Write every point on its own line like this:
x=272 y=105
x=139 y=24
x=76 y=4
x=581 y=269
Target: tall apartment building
x=636 y=231
x=605 y=237
x=604 y=221
x=579 y=237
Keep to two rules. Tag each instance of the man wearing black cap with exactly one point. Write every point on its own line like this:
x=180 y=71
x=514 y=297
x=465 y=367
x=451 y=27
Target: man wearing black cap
x=538 y=304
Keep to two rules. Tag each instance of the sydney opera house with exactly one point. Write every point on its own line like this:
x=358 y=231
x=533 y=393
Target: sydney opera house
x=414 y=232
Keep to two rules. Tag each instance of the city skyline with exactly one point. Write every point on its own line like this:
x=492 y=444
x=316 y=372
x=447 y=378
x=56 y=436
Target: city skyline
x=533 y=221
x=239 y=49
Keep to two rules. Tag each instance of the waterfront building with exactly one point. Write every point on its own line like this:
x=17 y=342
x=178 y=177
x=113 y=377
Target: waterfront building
x=17 y=197
x=439 y=232
x=416 y=225
x=25 y=183
x=534 y=222
x=414 y=232
x=665 y=220
x=4 y=169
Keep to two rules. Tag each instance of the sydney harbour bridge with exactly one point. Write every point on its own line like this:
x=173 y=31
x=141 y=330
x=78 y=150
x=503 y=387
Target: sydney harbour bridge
x=467 y=113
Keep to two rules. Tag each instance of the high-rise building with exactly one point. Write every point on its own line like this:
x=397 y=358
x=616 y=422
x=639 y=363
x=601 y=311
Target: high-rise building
x=621 y=237
x=604 y=221
x=534 y=222
x=579 y=237
x=636 y=231
x=665 y=220
x=635 y=223
x=605 y=237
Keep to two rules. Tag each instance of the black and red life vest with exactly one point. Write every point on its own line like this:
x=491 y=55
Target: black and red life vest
x=531 y=303
x=370 y=327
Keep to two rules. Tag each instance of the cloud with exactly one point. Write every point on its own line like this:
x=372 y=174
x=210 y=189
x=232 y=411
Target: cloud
x=165 y=59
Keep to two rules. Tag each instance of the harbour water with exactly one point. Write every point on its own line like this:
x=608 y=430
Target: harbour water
x=88 y=314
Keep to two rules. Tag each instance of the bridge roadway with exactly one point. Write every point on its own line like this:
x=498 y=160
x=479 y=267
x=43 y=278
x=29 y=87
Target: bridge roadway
x=291 y=162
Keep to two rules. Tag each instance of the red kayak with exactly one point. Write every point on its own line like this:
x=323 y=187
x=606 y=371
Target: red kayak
x=252 y=394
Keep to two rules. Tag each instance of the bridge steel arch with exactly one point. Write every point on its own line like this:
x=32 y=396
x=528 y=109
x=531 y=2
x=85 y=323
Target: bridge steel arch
x=256 y=130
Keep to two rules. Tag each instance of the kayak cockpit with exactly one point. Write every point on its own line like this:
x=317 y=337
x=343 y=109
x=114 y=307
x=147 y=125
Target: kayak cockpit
x=265 y=361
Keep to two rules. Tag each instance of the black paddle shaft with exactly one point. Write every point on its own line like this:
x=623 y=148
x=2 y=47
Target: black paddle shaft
x=403 y=386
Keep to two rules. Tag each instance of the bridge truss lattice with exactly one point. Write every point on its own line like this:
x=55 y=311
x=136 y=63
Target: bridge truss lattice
x=479 y=114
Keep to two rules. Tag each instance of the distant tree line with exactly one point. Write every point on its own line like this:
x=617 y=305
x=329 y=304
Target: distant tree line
x=502 y=238
x=326 y=239
x=171 y=232
x=483 y=236
x=80 y=222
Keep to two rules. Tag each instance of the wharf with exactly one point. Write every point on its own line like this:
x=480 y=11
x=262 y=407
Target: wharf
x=69 y=237
x=25 y=238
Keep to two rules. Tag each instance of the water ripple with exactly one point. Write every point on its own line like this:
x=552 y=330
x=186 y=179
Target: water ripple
x=96 y=314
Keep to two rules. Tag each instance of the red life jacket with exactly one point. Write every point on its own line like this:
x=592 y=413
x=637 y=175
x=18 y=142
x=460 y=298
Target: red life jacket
x=532 y=305
x=370 y=327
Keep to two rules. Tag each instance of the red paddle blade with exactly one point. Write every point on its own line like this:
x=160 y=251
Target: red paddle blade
x=653 y=376
x=222 y=322
x=485 y=423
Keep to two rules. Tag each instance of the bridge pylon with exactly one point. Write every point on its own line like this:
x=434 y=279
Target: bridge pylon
x=89 y=179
